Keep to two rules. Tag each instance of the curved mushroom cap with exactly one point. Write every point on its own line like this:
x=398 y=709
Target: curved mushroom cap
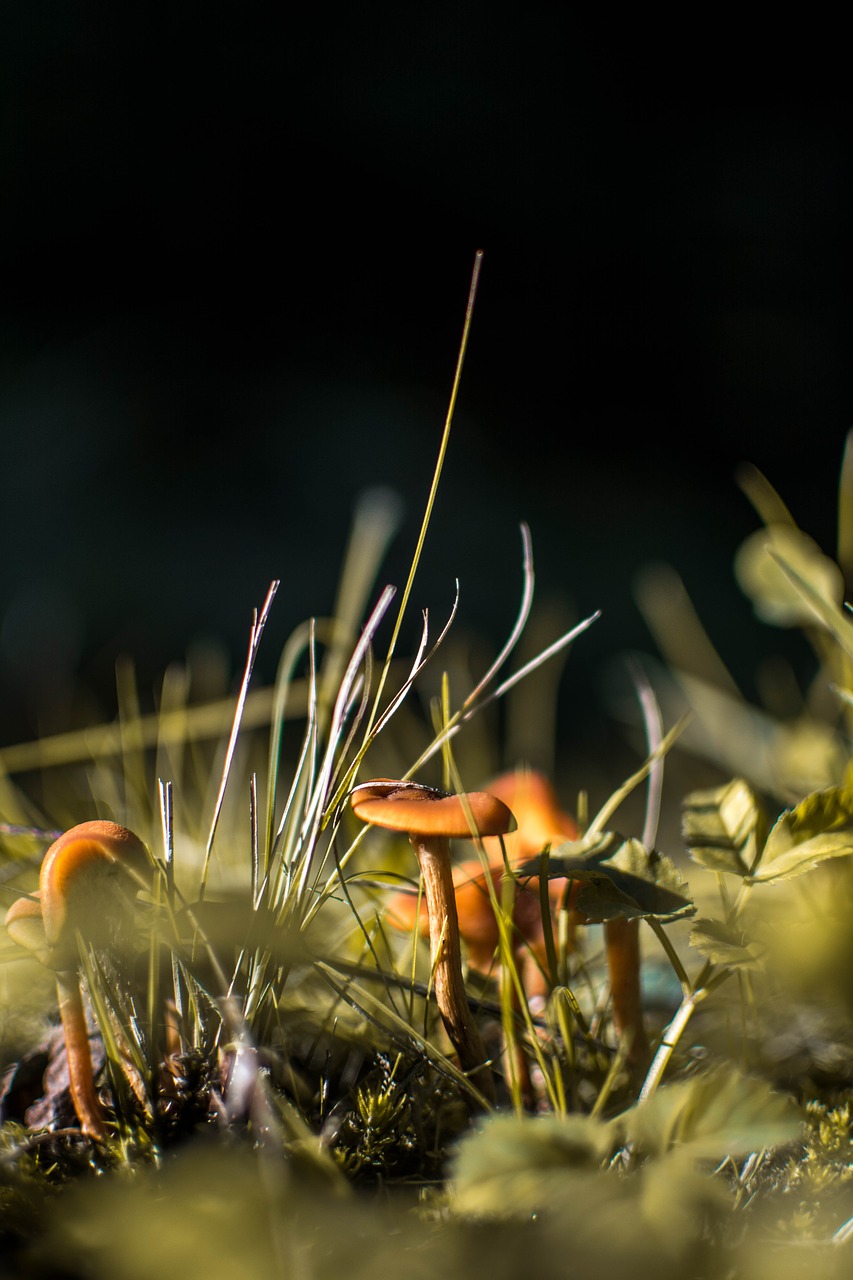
x=541 y=822
x=25 y=926
x=539 y=818
x=86 y=880
x=426 y=811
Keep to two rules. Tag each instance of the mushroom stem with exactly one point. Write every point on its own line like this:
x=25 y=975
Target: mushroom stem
x=81 y=1076
x=433 y=854
x=622 y=945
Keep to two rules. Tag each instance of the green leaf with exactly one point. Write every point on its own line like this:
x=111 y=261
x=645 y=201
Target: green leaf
x=774 y=595
x=677 y=1201
x=722 y=944
x=619 y=879
x=520 y=1164
x=724 y=828
x=819 y=827
x=720 y=1113
x=600 y=897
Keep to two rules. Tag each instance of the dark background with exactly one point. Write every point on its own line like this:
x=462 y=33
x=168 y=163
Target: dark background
x=235 y=248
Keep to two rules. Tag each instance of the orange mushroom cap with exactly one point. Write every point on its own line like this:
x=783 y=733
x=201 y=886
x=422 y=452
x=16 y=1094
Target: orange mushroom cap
x=86 y=874
x=541 y=821
x=425 y=811
x=539 y=818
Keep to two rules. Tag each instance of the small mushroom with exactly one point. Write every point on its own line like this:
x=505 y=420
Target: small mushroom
x=541 y=821
x=87 y=880
x=431 y=818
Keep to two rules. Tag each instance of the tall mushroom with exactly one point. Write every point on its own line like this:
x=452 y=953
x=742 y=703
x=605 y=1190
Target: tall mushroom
x=539 y=821
x=88 y=879
x=431 y=818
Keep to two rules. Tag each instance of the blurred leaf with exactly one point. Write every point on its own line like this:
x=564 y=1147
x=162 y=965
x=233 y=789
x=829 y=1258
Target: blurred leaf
x=722 y=944
x=207 y=1213
x=719 y=1113
x=677 y=1200
x=519 y=1164
x=627 y=883
x=766 y=500
x=808 y=755
x=545 y=1202
x=819 y=827
x=774 y=596
x=827 y=612
x=724 y=828
x=231 y=1211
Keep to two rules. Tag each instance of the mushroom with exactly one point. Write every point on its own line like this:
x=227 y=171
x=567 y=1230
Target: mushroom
x=431 y=818
x=541 y=821
x=88 y=878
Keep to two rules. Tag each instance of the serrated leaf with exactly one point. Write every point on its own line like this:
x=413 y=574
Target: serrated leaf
x=518 y=1164
x=819 y=827
x=717 y=1114
x=600 y=898
x=724 y=827
x=773 y=592
x=630 y=883
x=722 y=944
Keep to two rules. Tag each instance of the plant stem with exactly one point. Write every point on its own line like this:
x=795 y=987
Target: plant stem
x=673 y=1032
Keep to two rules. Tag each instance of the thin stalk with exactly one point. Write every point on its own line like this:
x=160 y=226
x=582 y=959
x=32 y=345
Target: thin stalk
x=454 y=392
x=622 y=947
x=671 y=953
x=257 y=630
x=674 y=1031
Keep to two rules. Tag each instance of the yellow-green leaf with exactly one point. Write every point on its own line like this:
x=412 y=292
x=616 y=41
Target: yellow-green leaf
x=724 y=828
x=722 y=944
x=819 y=827
x=516 y=1165
x=631 y=882
x=721 y=1112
